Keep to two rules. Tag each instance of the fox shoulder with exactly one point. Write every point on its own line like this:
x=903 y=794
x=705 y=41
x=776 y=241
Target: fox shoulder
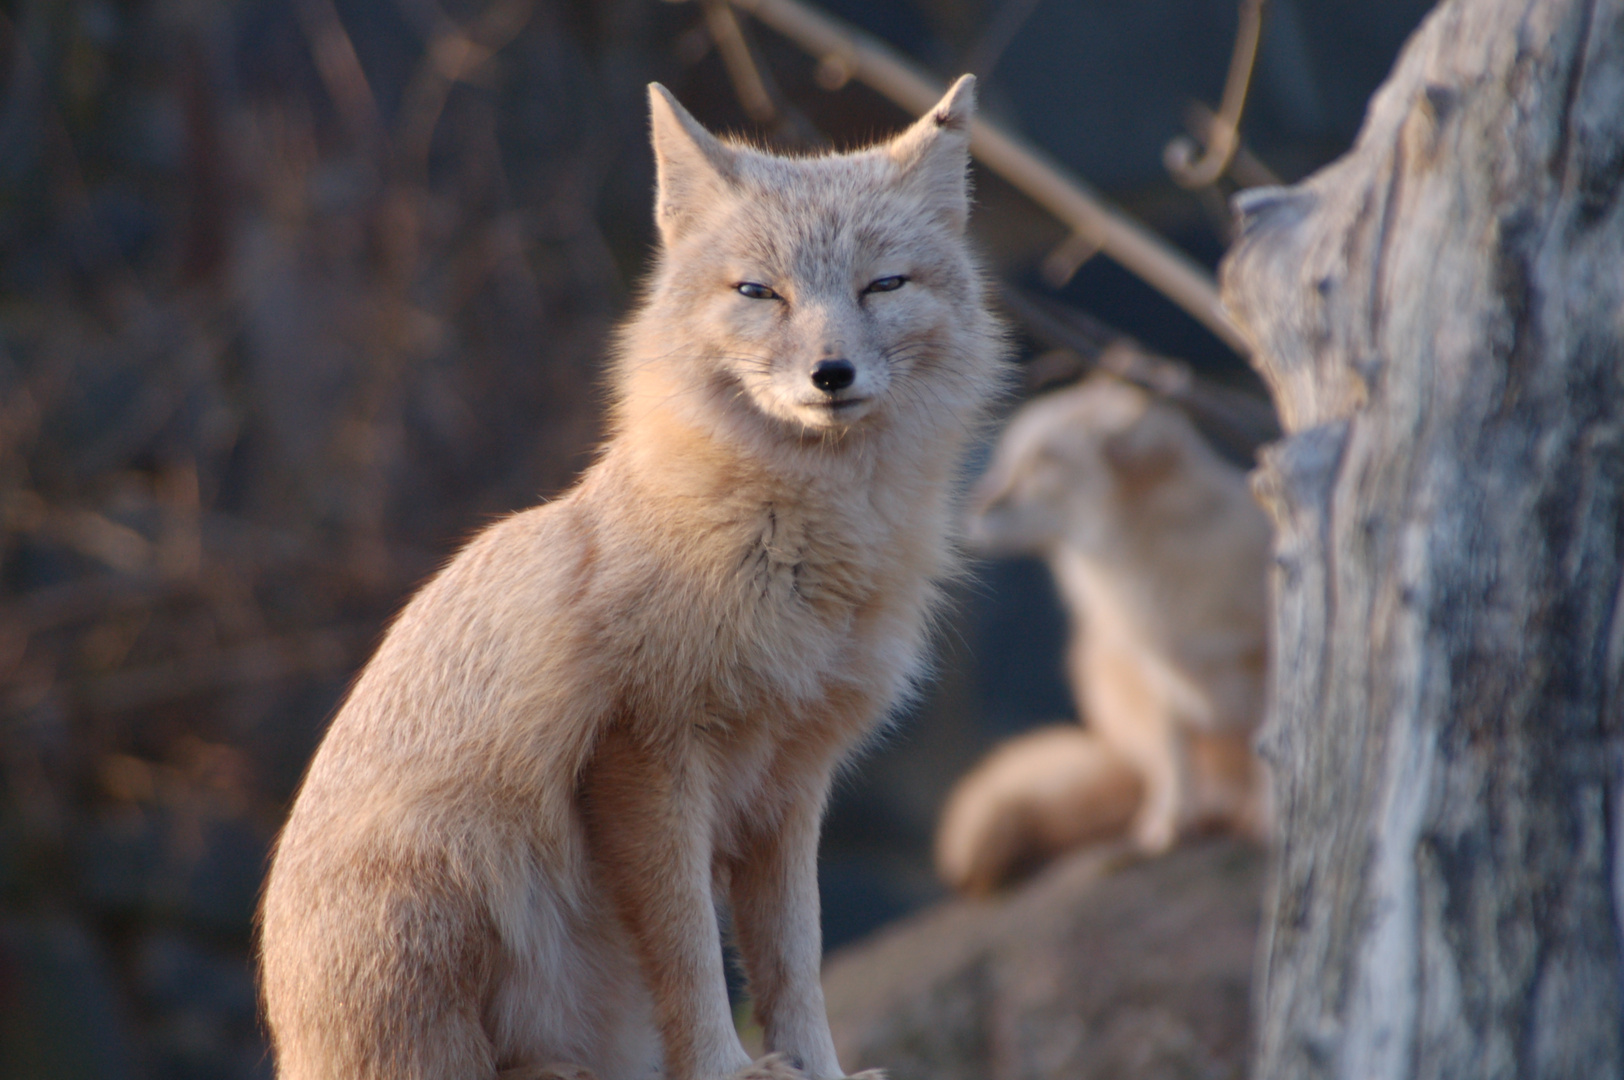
x=490 y=657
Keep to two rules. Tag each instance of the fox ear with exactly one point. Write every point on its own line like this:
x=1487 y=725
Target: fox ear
x=934 y=153
x=1146 y=452
x=691 y=165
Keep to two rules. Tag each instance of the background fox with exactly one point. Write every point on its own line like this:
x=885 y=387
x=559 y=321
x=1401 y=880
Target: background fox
x=610 y=712
x=1160 y=555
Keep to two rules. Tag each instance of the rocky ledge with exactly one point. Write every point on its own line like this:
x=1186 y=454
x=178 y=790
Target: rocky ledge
x=1105 y=966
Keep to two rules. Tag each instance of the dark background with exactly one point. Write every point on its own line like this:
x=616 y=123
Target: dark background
x=286 y=313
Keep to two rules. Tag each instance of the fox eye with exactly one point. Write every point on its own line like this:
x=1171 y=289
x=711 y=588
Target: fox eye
x=886 y=284
x=755 y=291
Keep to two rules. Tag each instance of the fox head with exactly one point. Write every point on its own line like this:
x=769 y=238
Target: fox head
x=812 y=296
x=1087 y=467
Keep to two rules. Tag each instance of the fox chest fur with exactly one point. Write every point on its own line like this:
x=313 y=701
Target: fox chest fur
x=788 y=626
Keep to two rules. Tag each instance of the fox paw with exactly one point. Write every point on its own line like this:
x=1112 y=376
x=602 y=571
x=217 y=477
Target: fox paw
x=771 y=1067
x=545 y=1072
x=779 y=1067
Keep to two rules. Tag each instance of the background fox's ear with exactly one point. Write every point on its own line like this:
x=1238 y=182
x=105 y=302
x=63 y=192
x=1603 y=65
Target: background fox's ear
x=1147 y=451
x=691 y=164
x=935 y=152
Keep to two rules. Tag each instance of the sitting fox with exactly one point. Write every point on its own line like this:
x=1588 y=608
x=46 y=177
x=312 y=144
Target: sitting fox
x=1160 y=555
x=610 y=713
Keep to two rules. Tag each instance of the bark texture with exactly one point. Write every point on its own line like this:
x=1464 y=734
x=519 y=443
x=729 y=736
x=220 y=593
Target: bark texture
x=1440 y=316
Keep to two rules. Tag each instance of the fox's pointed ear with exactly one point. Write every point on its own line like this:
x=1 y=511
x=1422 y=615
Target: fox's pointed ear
x=1146 y=452
x=691 y=165
x=935 y=152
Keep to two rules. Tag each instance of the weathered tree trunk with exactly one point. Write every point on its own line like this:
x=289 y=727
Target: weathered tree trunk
x=1441 y=318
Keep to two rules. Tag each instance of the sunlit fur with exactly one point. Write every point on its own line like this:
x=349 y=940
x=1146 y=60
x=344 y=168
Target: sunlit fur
x=1035 y=795
x=1160 y=556
x=609 y=712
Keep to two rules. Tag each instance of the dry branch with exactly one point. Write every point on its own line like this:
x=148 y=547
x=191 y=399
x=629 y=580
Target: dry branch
x=1222 y=137
x=1238 y=421
x=748 y=84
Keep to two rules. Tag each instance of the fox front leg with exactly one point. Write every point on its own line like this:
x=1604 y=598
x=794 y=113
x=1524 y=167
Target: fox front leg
x=648 y=817
x=774 y=892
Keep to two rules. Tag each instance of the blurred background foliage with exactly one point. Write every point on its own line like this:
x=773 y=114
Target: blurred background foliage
x=296 y=294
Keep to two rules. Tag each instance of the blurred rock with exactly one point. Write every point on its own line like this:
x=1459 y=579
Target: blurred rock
x=1103 y=967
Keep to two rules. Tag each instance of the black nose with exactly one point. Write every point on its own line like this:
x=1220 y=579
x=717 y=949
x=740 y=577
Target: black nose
x=832 y=376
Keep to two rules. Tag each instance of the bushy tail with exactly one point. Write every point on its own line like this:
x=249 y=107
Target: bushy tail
x=1032 y=798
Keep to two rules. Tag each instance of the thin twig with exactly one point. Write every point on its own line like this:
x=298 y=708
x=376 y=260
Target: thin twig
x=1066 y=258
x=1244 y=167
x=454 y=53
x=339 y=66
x=1223 y=134
x=844 y=52
x=1238 y=421
x=741 y=66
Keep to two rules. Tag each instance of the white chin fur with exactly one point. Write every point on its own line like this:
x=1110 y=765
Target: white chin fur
x=823 y=415
x=814 y=414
